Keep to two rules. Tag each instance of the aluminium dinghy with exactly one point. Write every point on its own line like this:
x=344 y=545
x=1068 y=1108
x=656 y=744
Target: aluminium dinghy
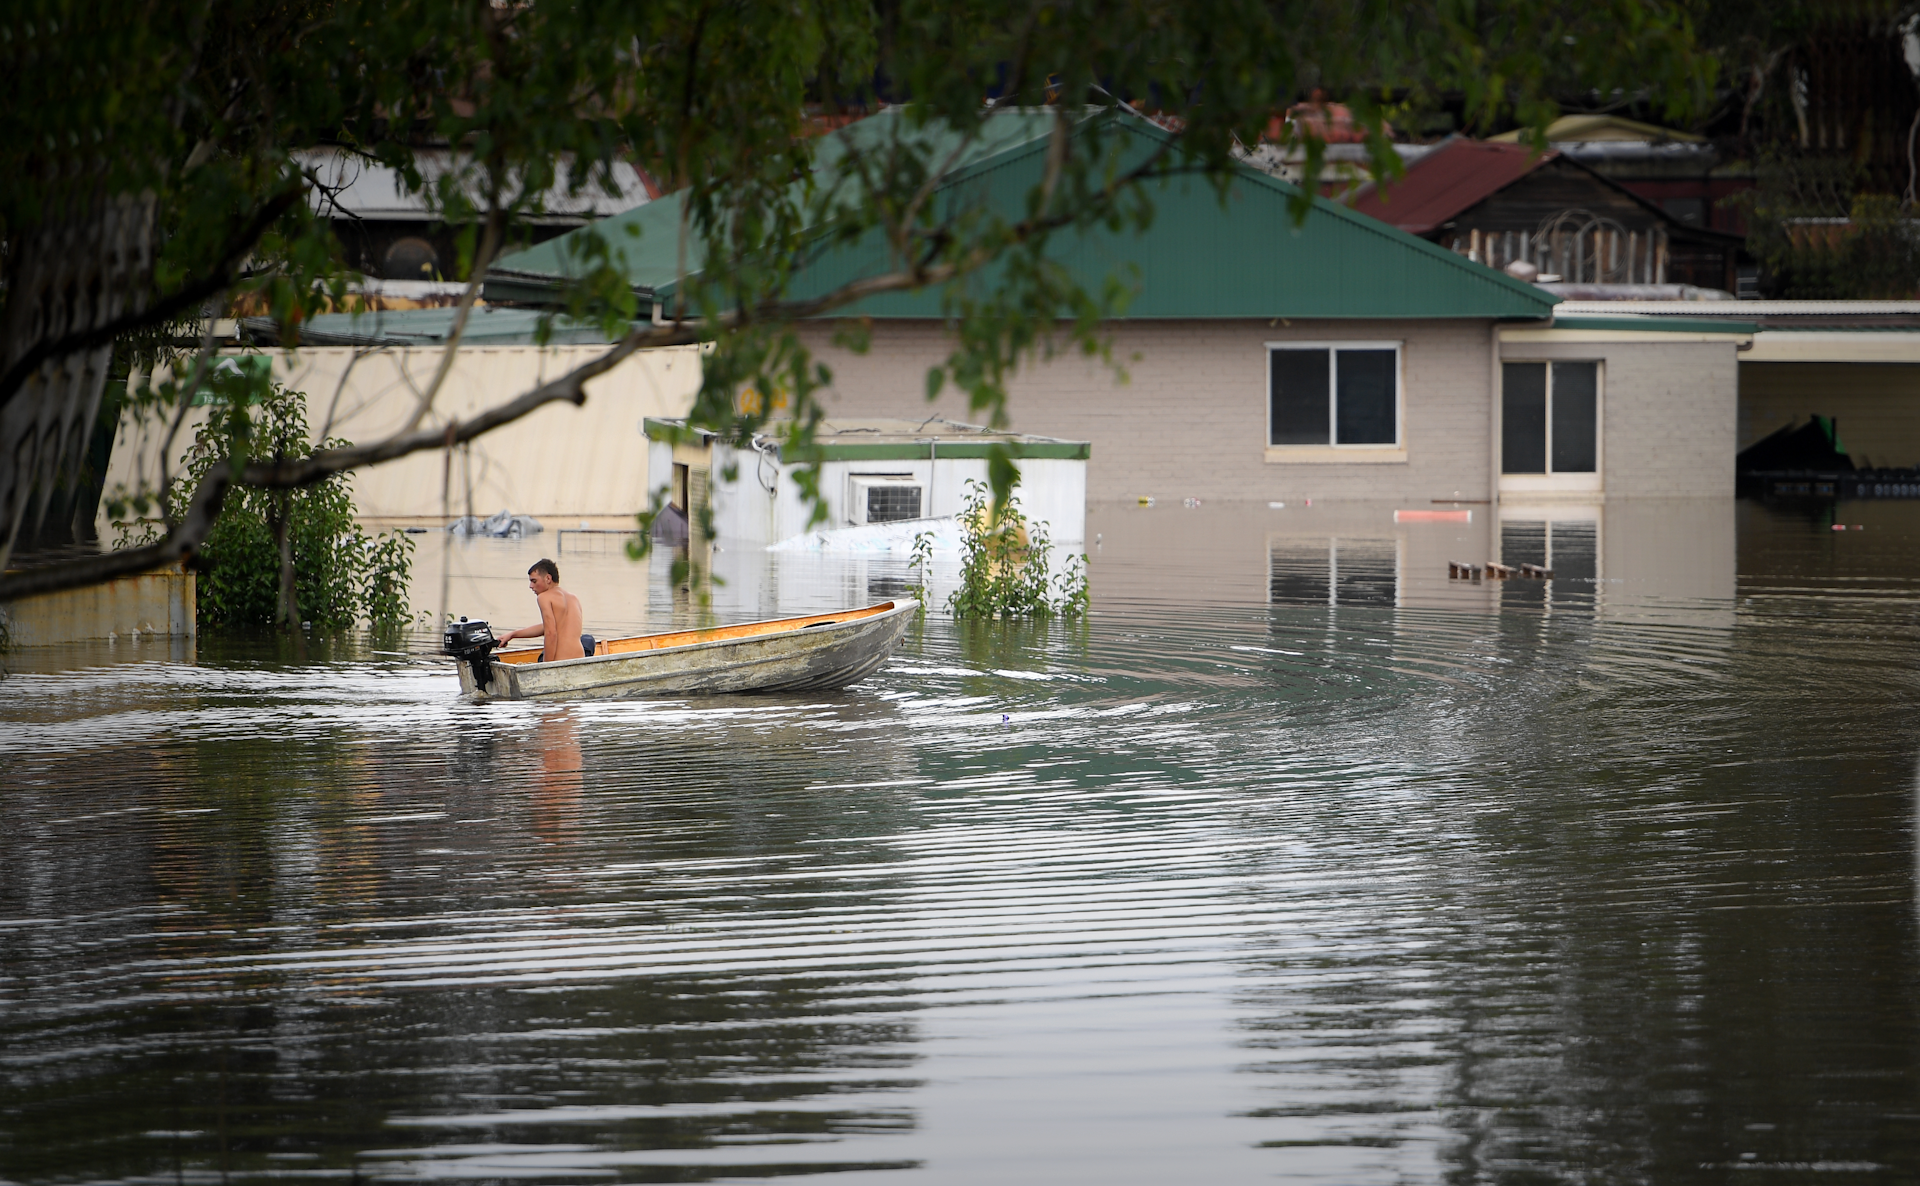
x=816 y=652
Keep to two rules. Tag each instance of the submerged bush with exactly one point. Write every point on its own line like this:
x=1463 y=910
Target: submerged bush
x=340 y=574
x=1006 y=566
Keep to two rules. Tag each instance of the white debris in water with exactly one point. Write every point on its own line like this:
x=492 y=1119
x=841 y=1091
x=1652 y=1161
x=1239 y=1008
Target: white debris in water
x=891 y=538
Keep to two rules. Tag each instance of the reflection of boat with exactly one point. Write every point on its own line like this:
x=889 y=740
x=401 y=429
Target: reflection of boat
x=787 y=654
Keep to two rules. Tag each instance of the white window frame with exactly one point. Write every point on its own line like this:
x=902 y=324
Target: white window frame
x=1552 y=482
x=1332 y=450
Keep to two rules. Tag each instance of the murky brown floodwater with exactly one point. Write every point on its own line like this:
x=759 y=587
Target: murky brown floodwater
x=1297 y=862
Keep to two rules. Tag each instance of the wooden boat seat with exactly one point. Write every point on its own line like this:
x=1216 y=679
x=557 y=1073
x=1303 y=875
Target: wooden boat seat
x=681 y=638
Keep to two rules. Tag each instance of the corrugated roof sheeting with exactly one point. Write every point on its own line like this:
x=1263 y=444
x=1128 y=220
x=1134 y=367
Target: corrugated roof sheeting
x=647 y=239
x=1446 y=182
x=1200 y=258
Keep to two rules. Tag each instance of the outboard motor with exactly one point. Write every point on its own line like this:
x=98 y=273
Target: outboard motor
x=472 y=643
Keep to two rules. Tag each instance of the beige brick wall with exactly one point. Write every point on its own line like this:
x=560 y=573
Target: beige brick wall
x=1191 y=419
x=1670 y=413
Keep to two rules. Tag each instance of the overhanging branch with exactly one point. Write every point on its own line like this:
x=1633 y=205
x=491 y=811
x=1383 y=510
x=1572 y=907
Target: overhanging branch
x=182 y=541
x=186 y=536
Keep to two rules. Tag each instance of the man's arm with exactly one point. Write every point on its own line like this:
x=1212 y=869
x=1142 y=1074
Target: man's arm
x=537 y=630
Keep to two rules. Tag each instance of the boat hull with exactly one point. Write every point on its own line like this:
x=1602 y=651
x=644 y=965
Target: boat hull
x=812 y=658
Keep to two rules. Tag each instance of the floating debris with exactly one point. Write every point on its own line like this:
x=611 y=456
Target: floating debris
x=504 y=525
x=1461 y=571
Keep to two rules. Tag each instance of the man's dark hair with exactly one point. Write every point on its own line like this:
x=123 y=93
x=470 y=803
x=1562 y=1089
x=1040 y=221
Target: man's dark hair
x=547 y=566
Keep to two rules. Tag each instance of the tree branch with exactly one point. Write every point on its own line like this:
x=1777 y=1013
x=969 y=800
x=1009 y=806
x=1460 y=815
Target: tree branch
x=180 y=542
x=165 y=309
x=187 y=535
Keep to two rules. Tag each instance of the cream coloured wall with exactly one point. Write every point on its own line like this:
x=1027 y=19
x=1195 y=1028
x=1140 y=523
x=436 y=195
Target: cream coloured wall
x=561 y=462
x=1669 y=409
x=1190 y=421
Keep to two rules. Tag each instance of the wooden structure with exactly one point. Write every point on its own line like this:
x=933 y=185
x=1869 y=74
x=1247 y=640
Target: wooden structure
x=1496 y=203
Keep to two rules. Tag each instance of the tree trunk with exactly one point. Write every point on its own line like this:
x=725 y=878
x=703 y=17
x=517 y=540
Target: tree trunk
x=288 y=613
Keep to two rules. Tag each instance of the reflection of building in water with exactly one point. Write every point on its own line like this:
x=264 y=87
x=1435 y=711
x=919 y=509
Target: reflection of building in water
x=1349 y=573
x=1563 y=539
x=1627 y=557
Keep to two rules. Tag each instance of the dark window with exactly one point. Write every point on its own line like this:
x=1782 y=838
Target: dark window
x=1300 y=405
x=1549 y=418
x=1692 y=211
x=1576 y=422
x=1366 y=380
x=1523 y=418
x=1346 y=397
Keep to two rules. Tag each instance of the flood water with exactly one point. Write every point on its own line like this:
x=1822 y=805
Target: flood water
x=1296 y=862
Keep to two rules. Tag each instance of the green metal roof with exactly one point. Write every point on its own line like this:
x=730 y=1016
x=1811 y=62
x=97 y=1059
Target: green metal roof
x=645 y=241
x=1200 y=258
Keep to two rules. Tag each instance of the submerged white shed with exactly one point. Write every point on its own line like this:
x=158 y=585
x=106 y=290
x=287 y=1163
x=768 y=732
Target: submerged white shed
x=871 y=472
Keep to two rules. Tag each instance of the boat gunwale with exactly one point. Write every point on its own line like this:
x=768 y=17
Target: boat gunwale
x=825 y=629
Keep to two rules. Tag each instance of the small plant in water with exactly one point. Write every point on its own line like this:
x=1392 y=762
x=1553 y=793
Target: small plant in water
x=922 y=563
x=1005 y=570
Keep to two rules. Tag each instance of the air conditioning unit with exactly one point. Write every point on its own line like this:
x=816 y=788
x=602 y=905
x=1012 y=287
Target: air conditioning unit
x=883 y=498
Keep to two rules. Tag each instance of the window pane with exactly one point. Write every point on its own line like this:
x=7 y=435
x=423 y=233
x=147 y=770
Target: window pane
x=1299 y=415
x=1523 y=418
x=1576 y=399
x=1365 y=414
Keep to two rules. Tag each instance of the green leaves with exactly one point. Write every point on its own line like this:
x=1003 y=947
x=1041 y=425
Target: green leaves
x=1006 y=565
x=341 y=575
x=200 y=109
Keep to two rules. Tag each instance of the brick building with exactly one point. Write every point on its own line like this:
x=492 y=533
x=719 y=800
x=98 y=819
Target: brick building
x=1338 y=359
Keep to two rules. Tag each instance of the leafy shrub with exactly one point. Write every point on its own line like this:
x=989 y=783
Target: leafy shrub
x=341 y=575
x=1005 y=570
x=1821 y=238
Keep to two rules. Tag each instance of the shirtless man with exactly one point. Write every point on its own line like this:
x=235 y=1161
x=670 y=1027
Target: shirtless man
x=560 y=615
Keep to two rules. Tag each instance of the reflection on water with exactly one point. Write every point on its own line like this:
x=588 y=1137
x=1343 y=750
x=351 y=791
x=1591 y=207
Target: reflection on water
x=1297 y=861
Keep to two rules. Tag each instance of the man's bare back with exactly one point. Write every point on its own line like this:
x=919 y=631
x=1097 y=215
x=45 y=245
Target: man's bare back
x=562 y=620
